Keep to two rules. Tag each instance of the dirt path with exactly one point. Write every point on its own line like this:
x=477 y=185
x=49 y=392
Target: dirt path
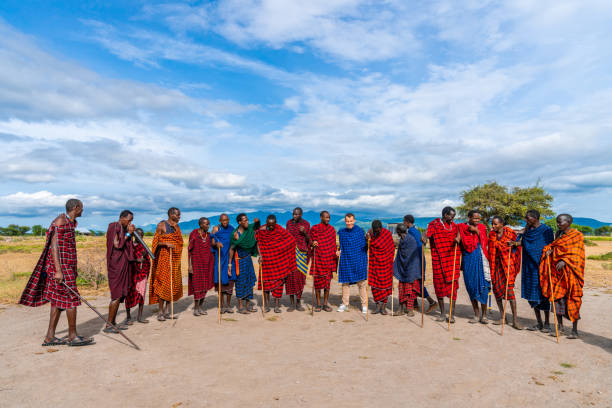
x=331 y=359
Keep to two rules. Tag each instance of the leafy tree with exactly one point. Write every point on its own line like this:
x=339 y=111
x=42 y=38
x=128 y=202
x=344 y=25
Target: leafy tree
x=38 y=230
x=14 y=230
x=585 y=229
x=603 y=230
x=494 y=199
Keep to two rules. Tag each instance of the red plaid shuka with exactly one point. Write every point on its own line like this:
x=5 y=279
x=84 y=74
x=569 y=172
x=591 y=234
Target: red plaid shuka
x=499 y=251
x=202 y=264
x=296 y=279
x=325 y=261
x=408 y=292
x=382 y=252
x=441 y=238
x=568 y=282
x=139 y=272
x=277 y=249
x=301 y=241
x=42 y=287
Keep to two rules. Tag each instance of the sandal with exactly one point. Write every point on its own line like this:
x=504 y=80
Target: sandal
x=110 y=329
x=243 y=310
x=143 y=320
x=327 y=308
x=80 y=341
x=277 y=309
x=161 y=318
x=317 y=308
x=54 y=342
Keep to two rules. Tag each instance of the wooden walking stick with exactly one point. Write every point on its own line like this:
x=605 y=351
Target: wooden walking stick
x=552 y=294
x=422 y=287
x=171 y=287
x=506 y=294
x=314 y=266
x=220 y=294
x=263 y=293
x=450 y=314
x=101 y=317
x=368 y=282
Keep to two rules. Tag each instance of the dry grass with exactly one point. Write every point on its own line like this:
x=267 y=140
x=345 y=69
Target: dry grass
x=18 y=256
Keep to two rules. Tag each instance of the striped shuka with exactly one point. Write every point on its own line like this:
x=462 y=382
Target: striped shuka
x=441 y=238
x=568 y=283
x=159 y=288
x=533 y=242
x=499 y=251
x=42 y=287
x=380 y=272
x=324 y=259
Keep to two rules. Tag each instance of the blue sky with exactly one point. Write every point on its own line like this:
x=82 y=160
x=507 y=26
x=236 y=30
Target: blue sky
x=385 y=106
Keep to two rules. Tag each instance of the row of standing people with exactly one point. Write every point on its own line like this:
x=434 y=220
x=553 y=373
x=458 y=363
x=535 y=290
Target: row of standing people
x=552 y=268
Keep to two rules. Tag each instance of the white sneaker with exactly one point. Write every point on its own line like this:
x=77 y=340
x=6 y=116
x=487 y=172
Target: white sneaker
x=364 y=309
x=342 y=308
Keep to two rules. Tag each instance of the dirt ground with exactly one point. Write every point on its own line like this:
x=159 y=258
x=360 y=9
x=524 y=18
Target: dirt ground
x=295 y=359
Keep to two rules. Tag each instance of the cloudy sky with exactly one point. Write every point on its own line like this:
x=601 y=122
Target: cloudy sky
x=388 y=106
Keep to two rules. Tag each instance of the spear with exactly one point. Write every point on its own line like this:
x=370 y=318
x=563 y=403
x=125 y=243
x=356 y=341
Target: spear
x=101 y=317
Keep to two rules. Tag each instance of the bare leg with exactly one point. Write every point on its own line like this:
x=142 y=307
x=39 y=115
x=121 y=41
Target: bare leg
x=442 y=311
x=500 y=305
x=325 y=296
x=476 y=311
x=113 y=308
x=515 y=322
x=71 y=314
x=483 y=314
x=54 y=315
x=228 y=302
x=292 y=305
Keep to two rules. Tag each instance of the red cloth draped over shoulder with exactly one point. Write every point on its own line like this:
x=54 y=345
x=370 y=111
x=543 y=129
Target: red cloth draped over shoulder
x=499 y=251
x=470 y=241
x=277 y=249
x=326 y=260
x=568 y=282
x=441 y=238
x=382 y=253
x=160 y=272
x=201 y=280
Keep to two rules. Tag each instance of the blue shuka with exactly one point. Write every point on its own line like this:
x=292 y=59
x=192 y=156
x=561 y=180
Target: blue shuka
x=223 y=235
x=407 y=264
x=534 y=241
x=353 y=255
x=474 y=276
x=417 y=236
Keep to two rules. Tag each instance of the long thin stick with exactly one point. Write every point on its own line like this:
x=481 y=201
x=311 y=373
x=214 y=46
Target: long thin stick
x=506 y=295
x=552 y=294
x=368 y=282
x=392 y=295
x=263 y=295
x=422 y=287
x=219 y=275
x=171 y=287
x=101 y=317
x=314 y=267
x=450 y=314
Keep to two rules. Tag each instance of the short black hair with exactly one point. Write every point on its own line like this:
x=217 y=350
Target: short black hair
x=376 y=224
x=139 y=231
x=497 y=217
x=173 y=209
x=224 y=214
x=349 y=215
x=239 y=217
x=472 y=212
x=448 y=210
x=299 y=209
x=533 y=214
x=567 y=217
x=203 y=219
x=409 y=218
x=323 y=212
x=271 y=217
x=401 y=229
x=125 y=213
x=72 y=204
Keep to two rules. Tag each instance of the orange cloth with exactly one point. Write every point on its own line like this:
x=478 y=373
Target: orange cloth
x=569 y=281
x=160 y=272
x=499 y=255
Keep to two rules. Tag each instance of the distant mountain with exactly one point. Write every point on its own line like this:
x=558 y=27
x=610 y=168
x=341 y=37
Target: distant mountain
x=590 y=222
x=337 y=220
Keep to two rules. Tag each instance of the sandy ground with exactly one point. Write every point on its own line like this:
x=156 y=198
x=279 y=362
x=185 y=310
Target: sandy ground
x=329 y=359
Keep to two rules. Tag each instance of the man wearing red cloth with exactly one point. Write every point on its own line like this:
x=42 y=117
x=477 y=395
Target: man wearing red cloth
x=201 y=265
x=380 y=258
x=443 y=240
x=299 y=229
x=324 y=261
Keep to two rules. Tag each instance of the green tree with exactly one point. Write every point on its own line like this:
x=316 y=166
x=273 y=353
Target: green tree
x=585 y=229
x=38 y=230
x=14 y=230
x=494 y=199
x=603 y=230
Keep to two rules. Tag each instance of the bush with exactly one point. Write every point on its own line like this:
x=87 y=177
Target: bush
x=604 y=230
x=90 y=274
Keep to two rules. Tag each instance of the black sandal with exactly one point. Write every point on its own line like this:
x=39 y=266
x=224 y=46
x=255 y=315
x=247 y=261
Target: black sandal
x=110 y=329
x=54 y=342
x=80 y=341
x=327 y=308
x=143 y=320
